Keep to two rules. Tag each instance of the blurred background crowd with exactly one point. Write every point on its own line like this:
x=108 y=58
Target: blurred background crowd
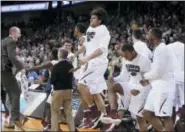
x=52 y=27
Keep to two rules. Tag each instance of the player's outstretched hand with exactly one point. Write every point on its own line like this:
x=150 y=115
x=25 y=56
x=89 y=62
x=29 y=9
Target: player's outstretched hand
x=144 y=82
x=135 y=92
x=82 y=62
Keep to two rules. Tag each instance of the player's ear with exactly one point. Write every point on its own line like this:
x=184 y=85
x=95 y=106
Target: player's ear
x=100 y=21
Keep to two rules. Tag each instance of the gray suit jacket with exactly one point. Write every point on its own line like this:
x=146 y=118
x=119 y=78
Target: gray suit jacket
x=8 y=55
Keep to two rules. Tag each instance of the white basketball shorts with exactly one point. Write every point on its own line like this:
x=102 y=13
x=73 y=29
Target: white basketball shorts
x=78 y=74
x=124 y=100
x=159 y=100
x=93 y=77
x=137 y=103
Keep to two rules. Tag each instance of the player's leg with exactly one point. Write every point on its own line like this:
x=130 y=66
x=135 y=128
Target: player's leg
x=168 y=123
x=166 y=108
x=153 y=120
x=149 y=110
x=96 y=87
x=122 y=106
x=112 y=95
x=142 y=124
x=121 y=112
x=83 y=86
x=87 y=103
x=85 y=94
x=85 y=111
x=113 y=116
x=137 y=104
x=99 y=102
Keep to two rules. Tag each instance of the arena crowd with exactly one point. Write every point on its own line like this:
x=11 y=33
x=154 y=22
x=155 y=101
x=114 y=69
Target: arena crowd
x=56 y=31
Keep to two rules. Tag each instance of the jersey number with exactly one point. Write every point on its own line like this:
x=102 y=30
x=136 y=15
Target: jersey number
x=90 y=36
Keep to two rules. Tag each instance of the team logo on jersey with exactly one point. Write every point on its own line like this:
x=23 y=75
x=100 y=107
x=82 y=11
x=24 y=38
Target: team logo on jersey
x=90 y=35
x=132 y=69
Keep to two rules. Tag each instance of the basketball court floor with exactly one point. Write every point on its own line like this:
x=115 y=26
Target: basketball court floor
x=35 y=125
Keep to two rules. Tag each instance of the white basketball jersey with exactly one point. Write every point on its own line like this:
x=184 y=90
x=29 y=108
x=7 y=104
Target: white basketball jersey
x=82 y=55
x=98 y=37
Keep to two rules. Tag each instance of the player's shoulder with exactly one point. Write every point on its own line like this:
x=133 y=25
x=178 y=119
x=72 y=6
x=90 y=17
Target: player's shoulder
x=140 y=44
x=143 y=59
x=161 y=48
x=103 y=27
x=176 y=45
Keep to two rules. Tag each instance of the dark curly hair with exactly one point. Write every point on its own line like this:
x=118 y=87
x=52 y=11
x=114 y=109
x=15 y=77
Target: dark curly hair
x=101 y=13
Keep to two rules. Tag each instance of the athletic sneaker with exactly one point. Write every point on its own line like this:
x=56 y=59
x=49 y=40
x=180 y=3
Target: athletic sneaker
x=46 y=126
x=88 y=123
x=97 y=121
x=9 y=125
x=82 y=123
x=86 y=115
x=112 y=118
x=19 y=125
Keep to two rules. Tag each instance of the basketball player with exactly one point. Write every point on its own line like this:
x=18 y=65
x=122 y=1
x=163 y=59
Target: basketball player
x=135 y=66
x=46 y=65
x=96 y=62
x=139 y=45
x=79 y=33
x=158 y=103
x=67 y=44
x=177 y=52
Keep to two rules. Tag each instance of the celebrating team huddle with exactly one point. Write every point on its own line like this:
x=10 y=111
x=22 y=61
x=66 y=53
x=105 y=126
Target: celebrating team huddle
x=150 y=85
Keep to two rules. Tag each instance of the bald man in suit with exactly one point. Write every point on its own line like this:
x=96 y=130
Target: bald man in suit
x=8 y=60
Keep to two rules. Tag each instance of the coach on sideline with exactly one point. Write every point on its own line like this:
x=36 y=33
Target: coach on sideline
x=61 y=79
x=9 y=59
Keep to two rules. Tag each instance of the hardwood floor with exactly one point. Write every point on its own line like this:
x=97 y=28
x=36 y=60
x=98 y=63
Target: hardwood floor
x=35 y=125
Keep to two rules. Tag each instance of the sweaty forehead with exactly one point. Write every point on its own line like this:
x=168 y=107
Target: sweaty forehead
x=94 y=16
x=67 y=43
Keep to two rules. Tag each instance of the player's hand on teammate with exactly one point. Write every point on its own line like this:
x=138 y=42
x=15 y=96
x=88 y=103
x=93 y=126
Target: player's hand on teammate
x=82 y=62
x=71 y=58
x=144 y=82
x=135 y=92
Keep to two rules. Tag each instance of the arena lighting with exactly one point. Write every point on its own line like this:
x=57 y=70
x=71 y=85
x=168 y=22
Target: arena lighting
x=65 y=3
x=54 y=4
x=80 y=1
x=36 y=6
x=25 y=7
x=12 y=8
